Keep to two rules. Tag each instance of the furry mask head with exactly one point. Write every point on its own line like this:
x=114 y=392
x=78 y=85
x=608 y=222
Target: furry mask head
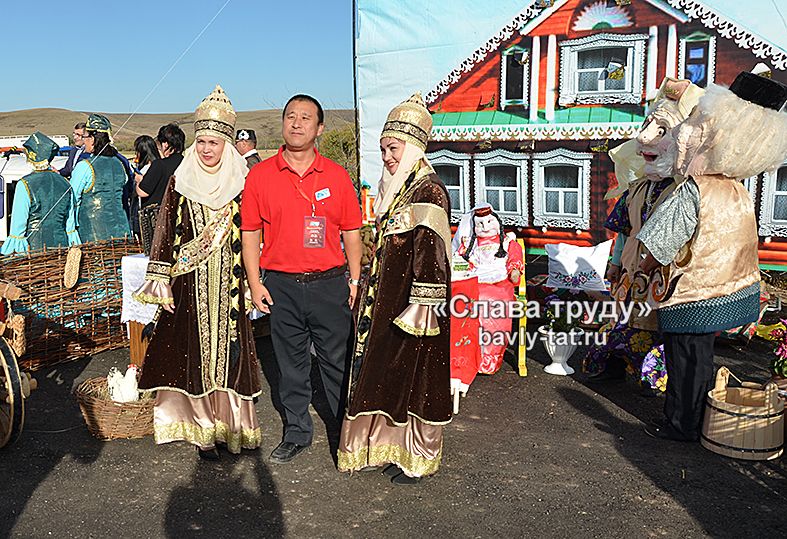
x=737 y=132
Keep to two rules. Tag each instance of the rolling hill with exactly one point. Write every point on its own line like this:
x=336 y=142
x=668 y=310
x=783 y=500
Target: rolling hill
x=51 y=121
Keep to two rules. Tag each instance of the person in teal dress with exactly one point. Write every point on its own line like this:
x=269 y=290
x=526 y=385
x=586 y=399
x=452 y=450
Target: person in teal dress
x=42 y=202
x=98 y=184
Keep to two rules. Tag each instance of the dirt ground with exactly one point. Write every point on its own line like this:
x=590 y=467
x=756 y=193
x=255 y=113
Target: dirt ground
x=541 y=456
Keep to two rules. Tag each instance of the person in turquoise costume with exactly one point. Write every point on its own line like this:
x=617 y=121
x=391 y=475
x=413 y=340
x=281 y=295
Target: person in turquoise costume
x=98 y=184
x=42 y=202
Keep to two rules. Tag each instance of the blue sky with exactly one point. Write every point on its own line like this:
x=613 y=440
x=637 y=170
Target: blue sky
x=60 y=54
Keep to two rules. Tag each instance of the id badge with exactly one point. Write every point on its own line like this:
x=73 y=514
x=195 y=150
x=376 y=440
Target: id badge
x=314 y=232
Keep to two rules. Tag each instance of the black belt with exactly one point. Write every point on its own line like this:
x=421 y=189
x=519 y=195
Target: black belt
x=312 y=276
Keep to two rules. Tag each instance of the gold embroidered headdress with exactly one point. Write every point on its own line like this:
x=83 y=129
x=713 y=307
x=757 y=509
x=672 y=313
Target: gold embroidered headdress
x=215 y=116
x=409 y=121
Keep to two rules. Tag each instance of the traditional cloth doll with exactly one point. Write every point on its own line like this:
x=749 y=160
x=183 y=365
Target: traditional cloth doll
x=497 y=260
x=705 y=237
x=644 y=167
x=42 y=202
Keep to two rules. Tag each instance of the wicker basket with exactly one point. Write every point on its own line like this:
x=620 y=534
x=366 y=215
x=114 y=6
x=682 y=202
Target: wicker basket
x=110 y=420
x=63 y=323
x=743 y=422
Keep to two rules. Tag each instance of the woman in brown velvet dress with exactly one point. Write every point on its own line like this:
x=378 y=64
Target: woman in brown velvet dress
x=400 y=381
x=201 y=359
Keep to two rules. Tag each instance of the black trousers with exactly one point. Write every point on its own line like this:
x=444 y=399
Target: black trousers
x=305 y=313
x=689 y=361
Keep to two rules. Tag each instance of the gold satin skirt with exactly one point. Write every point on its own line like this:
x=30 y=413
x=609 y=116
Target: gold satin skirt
x=220 y=417
x=372 y=440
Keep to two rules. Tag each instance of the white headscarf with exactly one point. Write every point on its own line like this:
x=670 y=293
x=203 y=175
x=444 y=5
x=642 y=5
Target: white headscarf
x=215 y=186
x=391 y=184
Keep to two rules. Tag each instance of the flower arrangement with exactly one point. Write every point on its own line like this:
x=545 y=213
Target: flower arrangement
x=779 y=336
x=557 y=319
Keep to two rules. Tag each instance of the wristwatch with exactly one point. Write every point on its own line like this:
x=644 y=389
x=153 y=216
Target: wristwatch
x=354 y=282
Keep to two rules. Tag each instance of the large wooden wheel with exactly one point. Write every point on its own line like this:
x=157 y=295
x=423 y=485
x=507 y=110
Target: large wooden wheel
x=12 y=405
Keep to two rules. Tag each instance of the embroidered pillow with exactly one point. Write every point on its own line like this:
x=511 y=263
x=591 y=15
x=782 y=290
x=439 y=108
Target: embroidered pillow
x=577 y=268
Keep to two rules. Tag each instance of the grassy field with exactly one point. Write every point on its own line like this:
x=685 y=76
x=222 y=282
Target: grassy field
x=266 y=123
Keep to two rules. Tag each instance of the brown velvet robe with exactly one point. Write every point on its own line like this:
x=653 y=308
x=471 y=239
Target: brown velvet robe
x=400 y=382
x=207 y=344
x=398 y=373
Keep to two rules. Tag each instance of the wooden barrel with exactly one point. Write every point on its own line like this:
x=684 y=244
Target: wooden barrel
x=743 y=422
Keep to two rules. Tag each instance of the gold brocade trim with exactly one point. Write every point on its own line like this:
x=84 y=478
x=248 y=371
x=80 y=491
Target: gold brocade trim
x=17 y=237
x=27 y=188
x=224 y=304
x=208 y=238
x=427 y=293
x=411 y=465
x=158 y=271
x=425 y=214
x=203 y=302
x=396 y=423
x=208 y=437
x=215 y=125
x=93 y=181
x=206 y=393
x=147 y=298
x=412 y=330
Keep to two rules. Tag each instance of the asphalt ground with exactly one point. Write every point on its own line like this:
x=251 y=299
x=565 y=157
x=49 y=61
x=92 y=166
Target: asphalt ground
x=541 y=456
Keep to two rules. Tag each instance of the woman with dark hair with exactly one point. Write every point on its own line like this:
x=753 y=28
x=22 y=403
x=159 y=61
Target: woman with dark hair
x=151 y=185
x=97 y=184
x=146 y=151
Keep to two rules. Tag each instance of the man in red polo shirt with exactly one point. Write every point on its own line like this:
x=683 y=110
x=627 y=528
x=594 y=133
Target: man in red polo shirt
x=306 y=206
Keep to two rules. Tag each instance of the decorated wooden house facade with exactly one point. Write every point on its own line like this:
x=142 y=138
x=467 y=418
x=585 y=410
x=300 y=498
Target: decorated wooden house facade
x=525 y=122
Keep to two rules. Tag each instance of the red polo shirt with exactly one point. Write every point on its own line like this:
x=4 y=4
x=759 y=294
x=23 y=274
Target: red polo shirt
x=272 y=201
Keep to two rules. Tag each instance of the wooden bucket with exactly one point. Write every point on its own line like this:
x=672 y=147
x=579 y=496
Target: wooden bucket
x=743 y=422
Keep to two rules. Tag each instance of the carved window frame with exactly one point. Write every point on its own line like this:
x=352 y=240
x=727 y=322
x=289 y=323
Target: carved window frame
x=504 y=101
x=698 y=36
x=562 y=157
x=634 y=73
x=500 y=157
x=769 y=226
x=461 y=160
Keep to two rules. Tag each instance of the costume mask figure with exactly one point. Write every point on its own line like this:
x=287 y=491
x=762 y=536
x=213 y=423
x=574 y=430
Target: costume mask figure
x=497 y=260
x=706 y=235
x=644 y=167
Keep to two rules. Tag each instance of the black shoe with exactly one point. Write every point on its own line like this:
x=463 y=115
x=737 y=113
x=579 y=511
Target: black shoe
x=666 y=432
x=208 y=454
x=285 y=452
x=392 y=470
x=403 y=479
x=607 y=376
x=649 y=392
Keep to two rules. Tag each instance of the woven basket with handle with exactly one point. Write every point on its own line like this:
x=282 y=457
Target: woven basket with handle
x=110 y=420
